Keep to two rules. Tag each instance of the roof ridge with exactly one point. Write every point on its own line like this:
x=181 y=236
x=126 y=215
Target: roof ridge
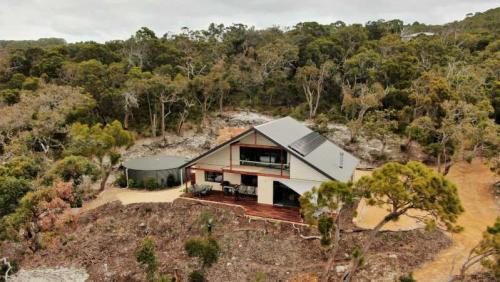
x=272 y=121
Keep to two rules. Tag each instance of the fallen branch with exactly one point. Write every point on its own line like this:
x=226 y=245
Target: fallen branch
x=9 y=268
x=305 y=237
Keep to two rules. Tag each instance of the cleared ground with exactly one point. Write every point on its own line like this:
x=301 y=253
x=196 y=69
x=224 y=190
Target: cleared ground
x=129 y=196
x=104 y=240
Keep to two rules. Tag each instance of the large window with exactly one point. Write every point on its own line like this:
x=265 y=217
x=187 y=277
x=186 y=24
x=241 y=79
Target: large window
x=213 y=176
x=265 y=157
x=249 y=180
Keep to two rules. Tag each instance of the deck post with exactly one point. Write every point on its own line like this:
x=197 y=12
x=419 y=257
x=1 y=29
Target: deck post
x=281 y=162
x=231 y=157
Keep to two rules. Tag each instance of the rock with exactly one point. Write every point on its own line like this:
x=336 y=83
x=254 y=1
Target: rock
x=340 y=268
x=228 y=264
x=393 y=256
x=142 y=225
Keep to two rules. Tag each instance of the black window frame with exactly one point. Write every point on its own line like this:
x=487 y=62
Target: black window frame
x=214 y=174
x=249 y=180
x=251 y=156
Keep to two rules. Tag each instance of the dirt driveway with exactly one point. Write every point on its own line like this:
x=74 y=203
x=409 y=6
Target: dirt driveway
x=474 y=186
x=129 y=196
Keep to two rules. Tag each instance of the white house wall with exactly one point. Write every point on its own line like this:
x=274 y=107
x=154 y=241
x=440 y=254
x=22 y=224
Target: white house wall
x=265 y=190
x=301 y=170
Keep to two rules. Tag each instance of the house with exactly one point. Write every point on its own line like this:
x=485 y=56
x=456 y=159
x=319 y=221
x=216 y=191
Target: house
x=278 y=160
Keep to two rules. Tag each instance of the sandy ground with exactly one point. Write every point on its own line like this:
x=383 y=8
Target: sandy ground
x=368 y=216
x=474 y=186
x=129 y=196
x=474 y=182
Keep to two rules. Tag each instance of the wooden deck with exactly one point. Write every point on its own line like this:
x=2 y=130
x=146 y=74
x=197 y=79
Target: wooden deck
x=252 y=208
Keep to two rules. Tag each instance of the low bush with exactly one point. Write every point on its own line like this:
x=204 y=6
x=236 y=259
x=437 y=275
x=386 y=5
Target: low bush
x=196 y=276
x=206 y=249
x=121 y=181
x=150 y=184
x=145 y=255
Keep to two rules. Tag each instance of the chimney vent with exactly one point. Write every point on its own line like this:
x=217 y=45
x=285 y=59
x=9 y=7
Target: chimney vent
x=341 y=160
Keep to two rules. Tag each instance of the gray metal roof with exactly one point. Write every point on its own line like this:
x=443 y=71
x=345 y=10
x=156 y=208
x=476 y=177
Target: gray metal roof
x=327 y=158
x=155 y=163
x=299 y=186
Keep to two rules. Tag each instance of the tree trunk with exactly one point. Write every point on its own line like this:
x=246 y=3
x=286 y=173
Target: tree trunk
x=153 y=125
x=104 y=180
x=163 y=120
x=125 y=119
x=357 y=261
x=331 y=260
x=221 y=104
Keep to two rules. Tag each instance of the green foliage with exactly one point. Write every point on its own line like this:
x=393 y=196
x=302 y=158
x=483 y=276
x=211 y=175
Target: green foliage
x=31 y=83
x=121 y=180
x=320 y=205
x=196 y=276
x=16 y=81
x=23 y=167
x=413 y=186
x=74 y=168
x=407 y=278
x=325 y=225
x=206 y=249
x=150 y=184
x=145 y=255
x=489 y=249
x=10 y=96
x=25 y=212
x=98 y=141
x=11 y=191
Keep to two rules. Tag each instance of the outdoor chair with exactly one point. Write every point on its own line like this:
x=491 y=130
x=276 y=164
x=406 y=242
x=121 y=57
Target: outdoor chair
x=205 y=190
x=251 y=190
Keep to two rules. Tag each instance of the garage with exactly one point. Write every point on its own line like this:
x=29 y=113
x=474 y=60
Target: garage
x=154 y=172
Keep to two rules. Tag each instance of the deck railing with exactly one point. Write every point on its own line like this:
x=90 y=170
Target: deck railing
x=285 y=167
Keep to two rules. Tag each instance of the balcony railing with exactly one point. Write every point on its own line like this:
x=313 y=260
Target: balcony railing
x=265 y=164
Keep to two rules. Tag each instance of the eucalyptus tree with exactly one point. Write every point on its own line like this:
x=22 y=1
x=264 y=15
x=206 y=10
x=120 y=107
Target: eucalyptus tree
x=100 y=143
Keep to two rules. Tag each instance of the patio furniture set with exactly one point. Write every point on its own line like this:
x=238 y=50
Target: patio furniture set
x=238 y=190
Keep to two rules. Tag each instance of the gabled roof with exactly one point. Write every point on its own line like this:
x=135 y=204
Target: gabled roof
x=325 y=157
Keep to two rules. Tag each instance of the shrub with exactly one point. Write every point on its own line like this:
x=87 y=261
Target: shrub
x=17 y=81
x=23 y=167
x=196 y=276
x=73 y=168
x=11 y=191
x=31 y=83
x=10 y=96
x=206 y=249
x=145 y=255
x=407 y=278
x=121 y=181
x=151 y=184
